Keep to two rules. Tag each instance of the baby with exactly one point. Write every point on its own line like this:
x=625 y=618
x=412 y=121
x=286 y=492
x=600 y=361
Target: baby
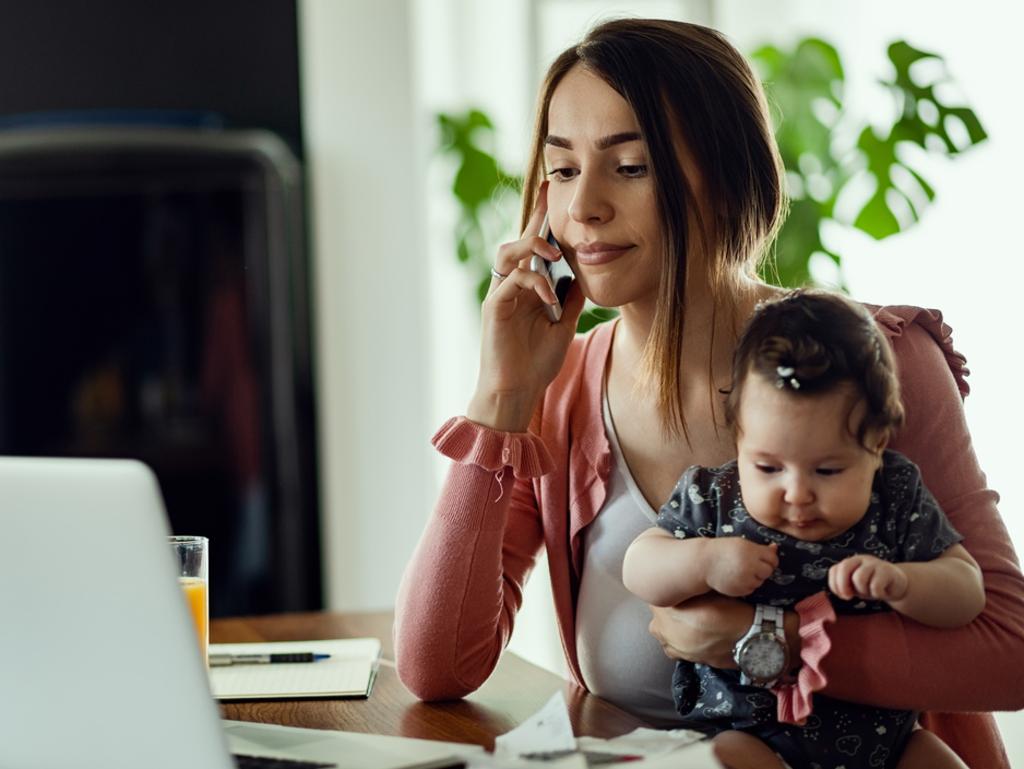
x=814 y=500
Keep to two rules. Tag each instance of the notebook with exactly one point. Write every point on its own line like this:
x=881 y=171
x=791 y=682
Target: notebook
x=349 y=672
x=99 y=668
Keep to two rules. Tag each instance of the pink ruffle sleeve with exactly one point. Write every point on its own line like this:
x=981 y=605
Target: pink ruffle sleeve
x=468 y=443
x=895 y=321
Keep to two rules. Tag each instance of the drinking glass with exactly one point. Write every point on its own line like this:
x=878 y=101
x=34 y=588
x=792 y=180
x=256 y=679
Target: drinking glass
x=193 y=559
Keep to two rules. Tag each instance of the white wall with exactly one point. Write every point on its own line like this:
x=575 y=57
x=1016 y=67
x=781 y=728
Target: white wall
x=366 y=164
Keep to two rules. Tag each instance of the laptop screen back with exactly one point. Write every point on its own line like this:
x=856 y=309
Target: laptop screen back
x=99 y=665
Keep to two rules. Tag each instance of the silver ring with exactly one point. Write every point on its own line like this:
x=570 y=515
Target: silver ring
x=498 y=275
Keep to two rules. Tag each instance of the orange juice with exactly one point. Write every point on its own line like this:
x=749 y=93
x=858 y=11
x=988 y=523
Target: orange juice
x=198 y=603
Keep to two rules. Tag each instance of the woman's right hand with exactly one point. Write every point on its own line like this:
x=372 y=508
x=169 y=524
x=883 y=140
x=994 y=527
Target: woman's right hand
x=521 y=349
x=706 y=628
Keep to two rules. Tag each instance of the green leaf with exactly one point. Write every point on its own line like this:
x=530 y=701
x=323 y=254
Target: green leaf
x=448 y=131
x=911 y=206
x=482 y=287
x=476 y=179
x=477 y=119
x=769 y=60
x=593 y=316
x=912 y=94
x=819 y=60
x=928 y=190
x=876 y=218
x=797 y=241
x=903 y=54
x=975 y=131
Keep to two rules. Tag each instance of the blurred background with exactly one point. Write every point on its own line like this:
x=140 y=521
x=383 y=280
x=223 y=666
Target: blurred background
x=229 y=243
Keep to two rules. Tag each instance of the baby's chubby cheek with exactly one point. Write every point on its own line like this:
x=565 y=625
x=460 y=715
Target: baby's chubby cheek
x=758 y=504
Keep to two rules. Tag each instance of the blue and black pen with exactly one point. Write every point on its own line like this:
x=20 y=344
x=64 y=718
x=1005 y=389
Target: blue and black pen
x=223 y=660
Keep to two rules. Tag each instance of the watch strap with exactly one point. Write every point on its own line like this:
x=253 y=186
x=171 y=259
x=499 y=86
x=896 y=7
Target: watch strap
x=774 y=615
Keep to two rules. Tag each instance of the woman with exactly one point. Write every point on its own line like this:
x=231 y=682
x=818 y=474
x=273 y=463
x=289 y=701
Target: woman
x=663 y=188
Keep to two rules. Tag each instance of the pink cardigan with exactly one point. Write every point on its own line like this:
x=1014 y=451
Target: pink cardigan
x=460 y=592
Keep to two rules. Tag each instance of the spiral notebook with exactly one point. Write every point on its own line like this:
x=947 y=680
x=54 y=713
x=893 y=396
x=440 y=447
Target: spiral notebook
x=349 y=672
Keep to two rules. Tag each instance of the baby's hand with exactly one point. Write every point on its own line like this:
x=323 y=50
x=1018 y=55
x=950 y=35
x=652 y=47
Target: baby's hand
x=864 y=576
x=737 y=566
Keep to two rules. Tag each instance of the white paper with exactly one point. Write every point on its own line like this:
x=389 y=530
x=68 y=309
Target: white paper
x=649 y=743
x=550 y=731
x=661 y=749
x=547 y=730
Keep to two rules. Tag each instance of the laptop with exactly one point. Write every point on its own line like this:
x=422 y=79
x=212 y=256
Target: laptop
x=98 y=660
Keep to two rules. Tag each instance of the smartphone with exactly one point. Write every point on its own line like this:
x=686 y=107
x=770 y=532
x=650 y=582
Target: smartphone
x=559 y=274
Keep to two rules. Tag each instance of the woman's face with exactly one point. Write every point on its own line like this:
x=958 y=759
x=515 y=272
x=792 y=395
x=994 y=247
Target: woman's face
x=601 y=196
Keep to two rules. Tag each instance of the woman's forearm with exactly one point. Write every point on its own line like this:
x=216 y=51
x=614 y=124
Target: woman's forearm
x=915 y=667
x=945 y=593
x=462 y=587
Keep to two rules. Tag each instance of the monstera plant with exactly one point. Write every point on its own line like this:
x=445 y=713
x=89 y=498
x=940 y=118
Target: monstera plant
x=805 y=88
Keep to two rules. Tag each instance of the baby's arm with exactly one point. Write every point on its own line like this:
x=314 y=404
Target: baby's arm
x=945 y=592
x=665 y=571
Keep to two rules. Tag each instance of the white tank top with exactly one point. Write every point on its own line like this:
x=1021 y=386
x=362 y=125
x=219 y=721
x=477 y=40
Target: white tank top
x=620 y=660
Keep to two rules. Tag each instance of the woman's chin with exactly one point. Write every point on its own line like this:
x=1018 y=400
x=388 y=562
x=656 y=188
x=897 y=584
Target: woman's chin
x=605 y=293
x=618 y=287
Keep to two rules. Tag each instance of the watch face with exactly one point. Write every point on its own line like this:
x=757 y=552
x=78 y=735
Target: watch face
x=762 y=657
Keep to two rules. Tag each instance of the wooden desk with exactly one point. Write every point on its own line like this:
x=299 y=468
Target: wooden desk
x=516 y=690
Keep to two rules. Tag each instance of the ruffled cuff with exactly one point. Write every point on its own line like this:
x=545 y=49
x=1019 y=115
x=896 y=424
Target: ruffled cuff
x=469 y=443
x=794 y=699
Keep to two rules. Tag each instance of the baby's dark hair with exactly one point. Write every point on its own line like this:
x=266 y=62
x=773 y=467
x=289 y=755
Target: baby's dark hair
x=812 y=341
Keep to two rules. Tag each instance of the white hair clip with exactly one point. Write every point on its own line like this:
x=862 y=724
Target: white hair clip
x=786 y=373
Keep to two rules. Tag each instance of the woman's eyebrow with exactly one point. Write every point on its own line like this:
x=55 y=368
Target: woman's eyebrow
x=602 y=144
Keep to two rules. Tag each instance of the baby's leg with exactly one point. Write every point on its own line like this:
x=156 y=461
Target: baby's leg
x=926 y=751
x=738 y=750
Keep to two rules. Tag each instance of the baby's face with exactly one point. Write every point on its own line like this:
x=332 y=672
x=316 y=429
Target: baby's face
x=802 y=471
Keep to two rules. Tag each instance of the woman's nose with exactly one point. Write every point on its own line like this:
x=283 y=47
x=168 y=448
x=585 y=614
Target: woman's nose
x=590 y=204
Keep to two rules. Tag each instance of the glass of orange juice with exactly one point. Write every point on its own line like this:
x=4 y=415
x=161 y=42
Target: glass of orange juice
x=192 y=554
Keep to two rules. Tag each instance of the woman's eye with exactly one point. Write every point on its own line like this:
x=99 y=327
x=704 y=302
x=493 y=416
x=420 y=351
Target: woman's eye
x=633 y=172
x=767 y=469
x=562 y=174
x=829 y=470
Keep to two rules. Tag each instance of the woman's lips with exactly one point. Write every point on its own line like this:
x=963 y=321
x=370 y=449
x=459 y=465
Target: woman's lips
x=599 y=252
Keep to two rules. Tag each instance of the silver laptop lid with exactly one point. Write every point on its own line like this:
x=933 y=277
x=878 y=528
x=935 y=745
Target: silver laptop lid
x=98 y=658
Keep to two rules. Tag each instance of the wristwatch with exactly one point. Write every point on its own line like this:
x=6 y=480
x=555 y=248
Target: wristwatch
x=763 y=653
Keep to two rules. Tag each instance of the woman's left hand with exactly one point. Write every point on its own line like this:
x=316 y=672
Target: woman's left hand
x=704 y=629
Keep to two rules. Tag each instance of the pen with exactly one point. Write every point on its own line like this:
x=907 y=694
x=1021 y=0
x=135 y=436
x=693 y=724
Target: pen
x=223 y=660
x=592 y=757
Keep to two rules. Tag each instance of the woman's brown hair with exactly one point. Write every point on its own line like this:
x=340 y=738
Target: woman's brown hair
x=688 y=82
x=812 y=342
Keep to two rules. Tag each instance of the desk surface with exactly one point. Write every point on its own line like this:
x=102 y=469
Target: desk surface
x=516 y=690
